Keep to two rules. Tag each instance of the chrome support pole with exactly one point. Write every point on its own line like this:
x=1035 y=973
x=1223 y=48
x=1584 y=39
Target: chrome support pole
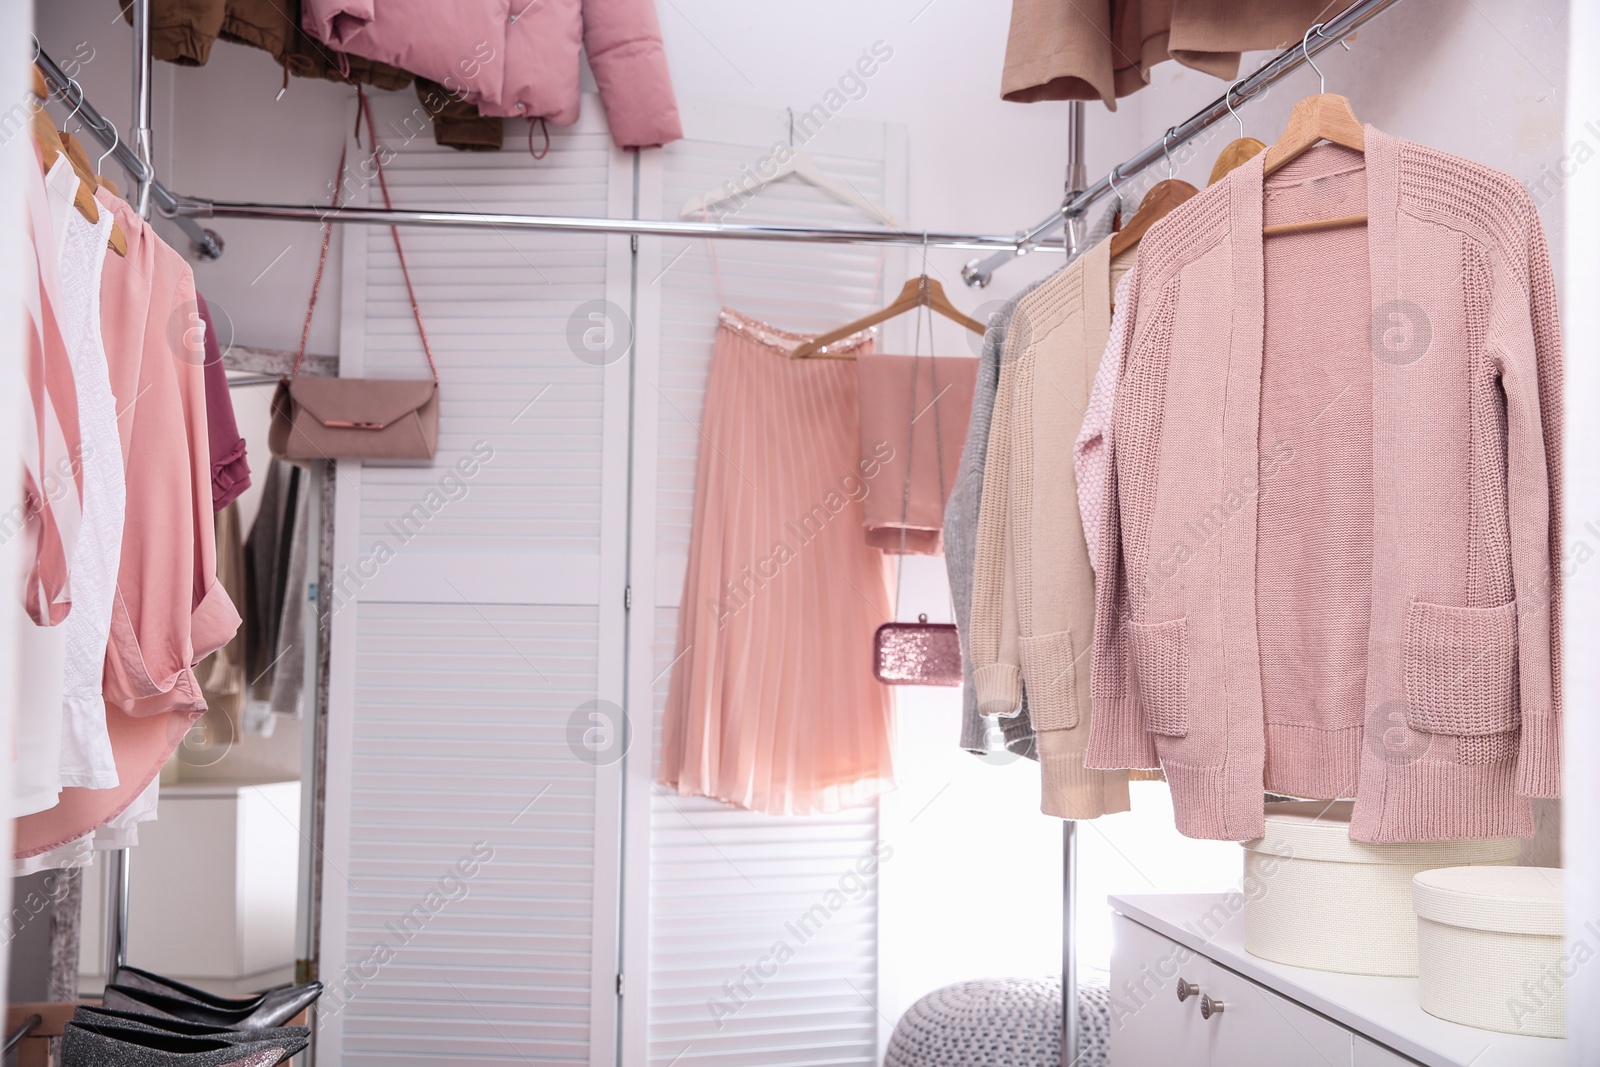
x=116 y=913
x=143 y=72
x=1077 y=176
x=1069 y=943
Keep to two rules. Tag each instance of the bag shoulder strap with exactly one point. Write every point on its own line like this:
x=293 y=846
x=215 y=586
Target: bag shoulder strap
x=327 y=234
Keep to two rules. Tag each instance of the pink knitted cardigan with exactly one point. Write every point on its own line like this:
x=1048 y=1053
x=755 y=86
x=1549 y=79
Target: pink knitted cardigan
x=1329 y=559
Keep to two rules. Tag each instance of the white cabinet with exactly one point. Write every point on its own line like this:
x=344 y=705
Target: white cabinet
x=1224 y=1020
x=1258 y=1028
x=1271 y=1014
x=1149 y=1024
x=213 y=886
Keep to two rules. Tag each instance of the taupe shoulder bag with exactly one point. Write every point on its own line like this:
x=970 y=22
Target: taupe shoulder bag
x=394 y=419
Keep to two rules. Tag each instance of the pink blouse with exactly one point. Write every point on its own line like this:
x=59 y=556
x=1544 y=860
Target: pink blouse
x=169 y=611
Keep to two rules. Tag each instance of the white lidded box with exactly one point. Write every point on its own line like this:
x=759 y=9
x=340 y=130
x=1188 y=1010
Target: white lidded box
x=1315 y=898
x=1489 y=948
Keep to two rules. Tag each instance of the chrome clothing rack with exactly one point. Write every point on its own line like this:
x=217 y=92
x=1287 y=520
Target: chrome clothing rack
x=979 y=271
x=1005 y=248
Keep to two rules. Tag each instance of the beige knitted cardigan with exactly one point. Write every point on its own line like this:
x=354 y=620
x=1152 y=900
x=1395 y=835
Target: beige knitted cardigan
x=1033 y=590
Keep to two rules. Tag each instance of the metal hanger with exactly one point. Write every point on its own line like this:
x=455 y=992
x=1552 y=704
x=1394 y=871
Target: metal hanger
x=1240 y=149
x=1161 y=199
x=1323 y=117
x=116 y=139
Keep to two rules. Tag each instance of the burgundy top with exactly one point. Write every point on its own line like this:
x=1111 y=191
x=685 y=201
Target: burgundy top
x=230 y=469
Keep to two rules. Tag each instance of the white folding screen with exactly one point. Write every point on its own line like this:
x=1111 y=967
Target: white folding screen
x=471 y=854
x=712 y=891
x=480 y=854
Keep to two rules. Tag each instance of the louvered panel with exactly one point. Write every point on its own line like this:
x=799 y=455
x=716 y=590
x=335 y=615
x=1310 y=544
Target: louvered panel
x=727 y=888
x=478 y=611
x=497 y=307
x=732 y=892
x=460 y=755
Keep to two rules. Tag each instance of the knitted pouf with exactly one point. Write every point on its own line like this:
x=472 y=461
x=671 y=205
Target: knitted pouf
x=1006 y=1022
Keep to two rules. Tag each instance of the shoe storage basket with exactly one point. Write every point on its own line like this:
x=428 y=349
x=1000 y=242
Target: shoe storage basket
x=1315 y=898
x=1489 y=948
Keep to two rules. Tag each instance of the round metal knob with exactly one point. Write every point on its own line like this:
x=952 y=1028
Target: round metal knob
x=1209 y=1007
x=1187 y=990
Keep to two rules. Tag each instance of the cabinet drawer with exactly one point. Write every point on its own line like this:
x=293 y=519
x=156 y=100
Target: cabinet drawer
x=1149 y=1025
x=1255 y=1027
x=1259 y=1028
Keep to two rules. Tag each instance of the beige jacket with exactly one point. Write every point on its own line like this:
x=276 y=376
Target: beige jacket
x=1033 y=589
x=1104 y=49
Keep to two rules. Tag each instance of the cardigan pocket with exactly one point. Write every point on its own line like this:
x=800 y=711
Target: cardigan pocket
x=1050 y=672
x=1461 y=673
x=1161 y=662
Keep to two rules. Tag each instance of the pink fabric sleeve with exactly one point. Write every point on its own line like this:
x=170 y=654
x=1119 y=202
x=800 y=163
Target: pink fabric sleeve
x=1525 y=338
x=1118 y=736
x=51 y=509
x=169 y=612
x=1093 y=445
x=336 y=21
x=623 y=40
x=213 y=620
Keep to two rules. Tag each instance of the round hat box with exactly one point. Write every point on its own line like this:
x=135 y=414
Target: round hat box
x=1315 y=898
x=1489 y=948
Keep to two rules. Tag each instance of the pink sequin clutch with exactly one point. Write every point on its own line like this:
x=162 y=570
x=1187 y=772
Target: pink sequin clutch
x=917 y=653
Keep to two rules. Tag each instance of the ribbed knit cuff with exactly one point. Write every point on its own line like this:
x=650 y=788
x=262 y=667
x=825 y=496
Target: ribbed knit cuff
x=1539 y=757
x=999 y=688
x=1118 y=739
x=1069 y=789
x=1218 y=802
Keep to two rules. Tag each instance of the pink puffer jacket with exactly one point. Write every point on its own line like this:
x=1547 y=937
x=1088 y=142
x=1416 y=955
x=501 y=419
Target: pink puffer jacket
x=519 y=58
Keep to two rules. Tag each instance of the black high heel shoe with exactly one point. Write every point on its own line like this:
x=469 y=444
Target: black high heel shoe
x=272 y=1008
x=85 y=1044
x=134 y=1020
x=138 y=978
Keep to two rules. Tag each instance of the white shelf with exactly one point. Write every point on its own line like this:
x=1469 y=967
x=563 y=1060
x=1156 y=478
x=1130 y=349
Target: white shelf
x=1386 y=1010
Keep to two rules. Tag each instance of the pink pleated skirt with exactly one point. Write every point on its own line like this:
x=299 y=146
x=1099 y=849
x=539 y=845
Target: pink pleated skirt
x=772 y=704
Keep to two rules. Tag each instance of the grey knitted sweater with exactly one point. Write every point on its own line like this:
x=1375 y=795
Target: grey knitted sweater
x=961 y=518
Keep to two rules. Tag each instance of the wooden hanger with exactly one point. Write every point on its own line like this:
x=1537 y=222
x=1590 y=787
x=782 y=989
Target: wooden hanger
x=917 y=292
x=53 y=144
x=81 y=164
x=1161 y=199
x=1323 y=117
x=1237 y=153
